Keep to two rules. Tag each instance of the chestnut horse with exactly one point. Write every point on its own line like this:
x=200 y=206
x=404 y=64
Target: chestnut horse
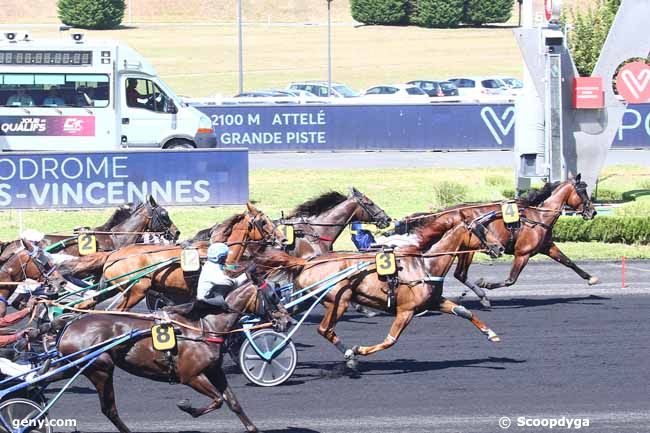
x=169 y=280
x=534 y=235
x=414 y=293
x=196 y=362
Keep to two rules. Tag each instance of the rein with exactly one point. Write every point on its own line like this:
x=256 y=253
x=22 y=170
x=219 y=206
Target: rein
x=152 y=317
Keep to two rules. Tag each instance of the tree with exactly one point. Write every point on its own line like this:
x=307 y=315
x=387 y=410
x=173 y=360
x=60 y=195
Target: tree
x=436 y=13
x=479 y=12
x=588 y=31
x=379 y=11
x=91 y=14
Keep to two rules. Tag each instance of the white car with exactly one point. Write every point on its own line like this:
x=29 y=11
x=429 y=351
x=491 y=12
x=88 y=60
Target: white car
x=392 y=92
x=319 y=89
x=480 y=88
x=514 y=85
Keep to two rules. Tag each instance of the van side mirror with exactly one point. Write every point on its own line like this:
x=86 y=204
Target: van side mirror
x=171 y=107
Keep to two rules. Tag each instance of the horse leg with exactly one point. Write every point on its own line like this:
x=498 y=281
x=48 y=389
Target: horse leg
x=218 y=379
x=135 y=294
x=554 y=252
x=518 y=265
x=402 y=319
x=103 y=381
x=448 y=307
x=333 y=312
x=462 y=267
x=202 y=384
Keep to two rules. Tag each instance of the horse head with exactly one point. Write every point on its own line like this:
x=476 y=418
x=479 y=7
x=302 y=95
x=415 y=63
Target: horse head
x=252 y=227
x=485 y=236
x=368 y=211
x=579 y=198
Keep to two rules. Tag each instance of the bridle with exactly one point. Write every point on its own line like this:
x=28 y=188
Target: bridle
x=158 y=221
x=375 y=216
x=477 y=228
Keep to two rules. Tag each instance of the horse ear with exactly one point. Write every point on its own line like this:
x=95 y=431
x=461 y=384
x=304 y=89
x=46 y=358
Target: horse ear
x=152 y=201
x=578 y=177
x=570 y=176
x=354 y=191
x=250 y=207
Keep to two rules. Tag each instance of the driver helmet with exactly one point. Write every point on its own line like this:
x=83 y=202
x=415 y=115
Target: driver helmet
x=217 y=253
x=32 y=235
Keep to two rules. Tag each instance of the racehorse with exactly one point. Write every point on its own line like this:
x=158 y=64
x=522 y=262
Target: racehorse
x=414 y=293
x=534 y=234
x=317 y=223
x=320 y=221
x=130 y=224
x=68 y=244
x=166 y=277
x=196 y=361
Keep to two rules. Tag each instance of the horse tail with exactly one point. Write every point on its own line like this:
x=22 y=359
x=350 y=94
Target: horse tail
x=272 y=259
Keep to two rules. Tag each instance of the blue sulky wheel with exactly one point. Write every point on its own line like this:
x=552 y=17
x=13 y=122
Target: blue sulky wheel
x=267 y=373
x=16 y=413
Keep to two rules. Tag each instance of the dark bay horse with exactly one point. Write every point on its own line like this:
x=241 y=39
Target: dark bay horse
x=414 y=294
x=534 y=235
x=126 y=226
x=196 y=362
x=320 y=221
x=170 y=280
x=68 y=243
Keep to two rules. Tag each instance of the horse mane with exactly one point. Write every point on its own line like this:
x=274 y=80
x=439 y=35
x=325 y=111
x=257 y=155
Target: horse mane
x=119 y=216
x=535 y=196
x=318 y=205
x=223 y=229
x=271 y=259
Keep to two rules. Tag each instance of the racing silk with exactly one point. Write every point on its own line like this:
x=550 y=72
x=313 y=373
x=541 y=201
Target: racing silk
x=398 y=240
x=213 y=279
x=361 y=237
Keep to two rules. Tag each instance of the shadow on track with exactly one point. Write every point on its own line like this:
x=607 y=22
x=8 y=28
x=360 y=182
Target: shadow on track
x=516 y=303
x=337 y=369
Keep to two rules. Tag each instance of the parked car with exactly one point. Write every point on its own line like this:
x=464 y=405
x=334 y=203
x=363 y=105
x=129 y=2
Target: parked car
x=514 y=85
x=397 y=91
x=436 y=88
x=319 y=88
x=477 y=87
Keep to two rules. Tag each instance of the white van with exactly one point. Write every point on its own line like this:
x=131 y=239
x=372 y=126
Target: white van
x=73 y=95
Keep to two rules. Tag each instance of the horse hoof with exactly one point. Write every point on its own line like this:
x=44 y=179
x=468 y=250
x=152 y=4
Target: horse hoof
x=593 y=280
x=485 y=303
x=184 y=405
x=493 y=337
x=481 y=283
x=251 y=429
x=352 y=364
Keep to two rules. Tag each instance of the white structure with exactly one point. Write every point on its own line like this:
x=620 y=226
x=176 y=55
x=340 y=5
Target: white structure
x=77 y=95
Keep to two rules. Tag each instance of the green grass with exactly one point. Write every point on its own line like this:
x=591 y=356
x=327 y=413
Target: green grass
x=398 y=192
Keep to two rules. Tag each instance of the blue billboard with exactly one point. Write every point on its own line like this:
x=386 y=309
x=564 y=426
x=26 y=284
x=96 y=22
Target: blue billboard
x=108 y=179
x=400 y=127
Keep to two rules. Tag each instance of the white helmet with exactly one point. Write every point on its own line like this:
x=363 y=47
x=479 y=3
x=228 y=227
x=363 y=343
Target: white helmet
x=32 y=235
x=217 y=252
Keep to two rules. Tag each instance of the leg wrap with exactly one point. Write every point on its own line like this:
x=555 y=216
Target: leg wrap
x=341 y=347
x=463 y=312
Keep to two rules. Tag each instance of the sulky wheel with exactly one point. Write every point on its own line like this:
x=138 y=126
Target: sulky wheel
x=267 y=373
x=17 y=413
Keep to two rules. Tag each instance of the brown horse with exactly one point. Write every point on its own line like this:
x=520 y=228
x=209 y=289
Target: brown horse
x=68 y=244
x=320 y=221
x=196 y=361
x=534 y=235
x=126 y=226
x=416 y=290
x=169 y=279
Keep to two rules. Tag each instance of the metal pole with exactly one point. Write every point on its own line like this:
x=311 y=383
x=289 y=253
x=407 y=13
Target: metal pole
x=241 y=47
x=329 y=48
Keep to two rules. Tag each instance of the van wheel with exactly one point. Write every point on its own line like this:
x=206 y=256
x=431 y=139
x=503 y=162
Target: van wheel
x=179 y=145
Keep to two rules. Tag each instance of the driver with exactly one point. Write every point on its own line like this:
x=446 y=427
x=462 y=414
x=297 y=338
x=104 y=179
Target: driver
x=214 y=285
x=132 y=95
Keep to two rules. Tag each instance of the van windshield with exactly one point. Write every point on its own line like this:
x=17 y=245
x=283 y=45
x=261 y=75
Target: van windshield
x=54 y=90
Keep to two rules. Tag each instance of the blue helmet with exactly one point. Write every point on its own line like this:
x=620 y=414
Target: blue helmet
x=217 y=252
